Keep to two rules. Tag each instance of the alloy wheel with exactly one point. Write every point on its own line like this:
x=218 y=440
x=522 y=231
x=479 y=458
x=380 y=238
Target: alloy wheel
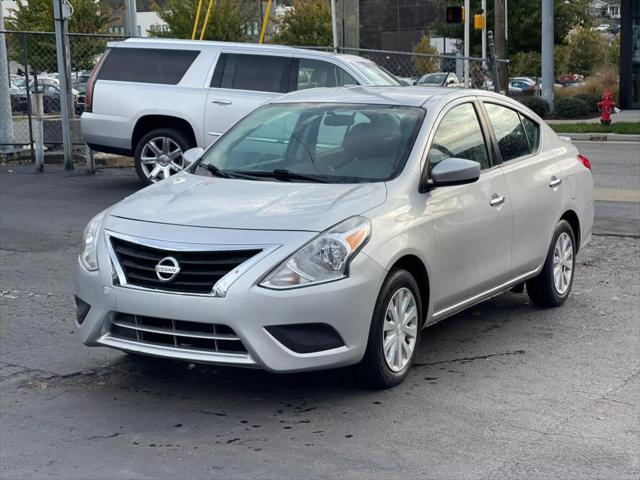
x=400 y=329
x=161 y=157
x=562 y=263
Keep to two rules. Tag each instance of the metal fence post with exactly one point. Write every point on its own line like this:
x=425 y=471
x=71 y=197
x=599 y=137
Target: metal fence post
x=25 y=47
x=59 y=13
x=37 y=114
x=6 y=121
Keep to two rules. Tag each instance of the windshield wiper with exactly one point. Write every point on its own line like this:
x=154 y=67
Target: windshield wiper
x=214 y=170
x=224 y=173
x=285 y=175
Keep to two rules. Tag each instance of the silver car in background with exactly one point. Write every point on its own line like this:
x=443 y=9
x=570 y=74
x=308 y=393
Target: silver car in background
x=329 y=227
x=153 y=99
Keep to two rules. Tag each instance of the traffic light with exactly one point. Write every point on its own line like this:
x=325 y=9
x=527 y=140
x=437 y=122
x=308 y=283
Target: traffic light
x=455 y=14
x=479 y=20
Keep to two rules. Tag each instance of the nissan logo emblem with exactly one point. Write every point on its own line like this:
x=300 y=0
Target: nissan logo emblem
x=167 y=269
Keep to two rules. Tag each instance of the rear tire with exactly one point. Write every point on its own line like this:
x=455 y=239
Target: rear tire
x=158 y=154
x=391 y=346
x=553 y=284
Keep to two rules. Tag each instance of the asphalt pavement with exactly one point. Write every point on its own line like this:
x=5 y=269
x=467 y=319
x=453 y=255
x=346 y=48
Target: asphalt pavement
x=503 y=390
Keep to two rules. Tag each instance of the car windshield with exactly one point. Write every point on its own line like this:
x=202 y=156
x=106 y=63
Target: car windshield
x=332 y=143
x=433 y=78
x=376 y=75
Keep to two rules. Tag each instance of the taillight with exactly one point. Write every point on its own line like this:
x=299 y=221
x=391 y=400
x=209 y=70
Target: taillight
x=88 y=101
x=584 y=161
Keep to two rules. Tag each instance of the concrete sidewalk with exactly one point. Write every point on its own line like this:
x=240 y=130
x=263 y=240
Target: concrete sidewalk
x=623 y=116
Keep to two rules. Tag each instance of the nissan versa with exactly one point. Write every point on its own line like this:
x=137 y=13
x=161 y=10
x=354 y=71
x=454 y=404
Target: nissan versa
x=328 y=227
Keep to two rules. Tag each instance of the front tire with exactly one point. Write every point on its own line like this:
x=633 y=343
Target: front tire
x=395 y=332
x=158 y=154
x=553 y=284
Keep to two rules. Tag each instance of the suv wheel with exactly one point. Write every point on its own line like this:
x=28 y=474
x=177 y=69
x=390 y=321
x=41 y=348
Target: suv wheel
x=553 y=284
x=158 y=154
x=395 y=332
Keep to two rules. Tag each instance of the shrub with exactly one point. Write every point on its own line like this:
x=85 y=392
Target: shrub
x=425 y=64
x=537 y=104
x=571 y=107
x=591 y=99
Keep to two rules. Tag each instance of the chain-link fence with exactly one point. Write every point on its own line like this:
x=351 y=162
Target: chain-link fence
x=33 y=68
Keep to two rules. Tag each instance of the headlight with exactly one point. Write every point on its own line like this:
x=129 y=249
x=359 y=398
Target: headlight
x=88 y=256
x=323 y=259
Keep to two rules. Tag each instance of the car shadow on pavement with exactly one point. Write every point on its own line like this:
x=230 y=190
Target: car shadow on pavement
x=474 y=333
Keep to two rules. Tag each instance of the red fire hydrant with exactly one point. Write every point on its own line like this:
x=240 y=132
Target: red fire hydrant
x=606 y=106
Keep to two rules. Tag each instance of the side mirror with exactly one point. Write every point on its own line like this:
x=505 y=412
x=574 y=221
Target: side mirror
x=192 y=155
x=454 y=171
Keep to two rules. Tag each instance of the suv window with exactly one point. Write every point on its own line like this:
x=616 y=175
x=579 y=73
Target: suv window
x=532 y=129
x=147 y=65
x=316 y=73
x=459 y=135
x=510 y=134
x=262 y=73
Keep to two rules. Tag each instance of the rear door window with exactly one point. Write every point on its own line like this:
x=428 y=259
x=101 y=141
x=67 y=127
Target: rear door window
x=147 y=65
x=261 y=73
x=317 y=73
x=509 y=131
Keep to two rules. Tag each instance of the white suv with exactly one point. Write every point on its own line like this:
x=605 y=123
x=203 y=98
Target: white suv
x=155 y=98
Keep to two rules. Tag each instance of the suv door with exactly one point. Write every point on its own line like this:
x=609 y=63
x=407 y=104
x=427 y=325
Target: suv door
x=472 y=223
x=241 y=83
x=534 y=182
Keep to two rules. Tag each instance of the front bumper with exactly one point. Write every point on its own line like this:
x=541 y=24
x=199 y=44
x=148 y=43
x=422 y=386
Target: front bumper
x=345 y=305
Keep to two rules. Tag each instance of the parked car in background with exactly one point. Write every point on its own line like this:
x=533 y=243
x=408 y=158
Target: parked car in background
x=521 y=86
x=155 y=98
x=329 y=227
x=603 y=27
x=50 y=90
x=439 y=79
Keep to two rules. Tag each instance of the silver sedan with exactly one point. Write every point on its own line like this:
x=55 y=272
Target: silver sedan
x=331 y=226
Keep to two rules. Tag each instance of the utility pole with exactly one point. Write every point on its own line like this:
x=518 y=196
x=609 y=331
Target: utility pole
x=467 y=27
x=547 y=52
x=61 y=12
x=484 y=33
x=500 y=39
x=334 y=25
x=6 y=122
x=130 y=18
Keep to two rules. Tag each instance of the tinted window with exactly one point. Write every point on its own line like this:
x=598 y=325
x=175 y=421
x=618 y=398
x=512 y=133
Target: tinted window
x=509 y=132
x=147 y=65
x=262 y=73
x=331 y=142
x=316 y=73
x=459 y=135
x=532 y=129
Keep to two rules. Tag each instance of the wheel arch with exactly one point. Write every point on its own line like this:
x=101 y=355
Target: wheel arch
x=147 y=123
x=572 y=219
x=416 y=267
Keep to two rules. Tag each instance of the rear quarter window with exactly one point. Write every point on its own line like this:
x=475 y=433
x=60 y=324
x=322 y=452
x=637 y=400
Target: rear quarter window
x=147 y=65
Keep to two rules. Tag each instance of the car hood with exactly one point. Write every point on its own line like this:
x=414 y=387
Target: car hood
x=193 y=200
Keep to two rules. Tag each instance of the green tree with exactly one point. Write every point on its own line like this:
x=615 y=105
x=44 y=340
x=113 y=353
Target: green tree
x=587 y=51
x=307 y=23
x=425 y=64
x=89 y=16
x=230 y=20
x=614 y=51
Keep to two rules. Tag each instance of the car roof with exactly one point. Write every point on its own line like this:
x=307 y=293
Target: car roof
x=205 y=44
x=413 y=96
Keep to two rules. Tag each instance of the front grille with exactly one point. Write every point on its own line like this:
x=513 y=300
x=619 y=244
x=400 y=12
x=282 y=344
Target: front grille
x=199 y=271
x=177 y=334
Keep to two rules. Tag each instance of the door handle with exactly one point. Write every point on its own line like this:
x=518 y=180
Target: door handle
x=555 y=181
x=497 y=200
x=221 y=102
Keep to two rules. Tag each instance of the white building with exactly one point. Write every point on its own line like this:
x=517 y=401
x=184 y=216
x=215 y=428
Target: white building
x=614 y=9
x=7 y=7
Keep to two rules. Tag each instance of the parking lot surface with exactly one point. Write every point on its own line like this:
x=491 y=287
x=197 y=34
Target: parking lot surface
x=504 y=390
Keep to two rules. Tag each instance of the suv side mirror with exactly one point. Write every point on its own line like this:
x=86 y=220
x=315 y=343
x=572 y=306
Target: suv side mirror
x=192 y=155
x=454 y=171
